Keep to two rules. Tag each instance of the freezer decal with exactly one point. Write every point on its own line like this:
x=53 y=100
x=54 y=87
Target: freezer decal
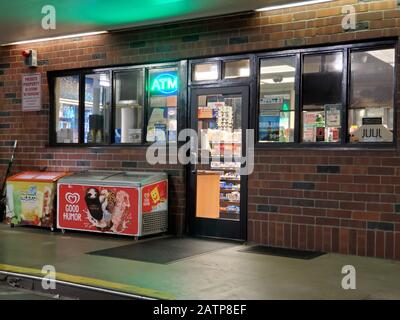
x=30 y=204
x=102 y=209
x=154 y=197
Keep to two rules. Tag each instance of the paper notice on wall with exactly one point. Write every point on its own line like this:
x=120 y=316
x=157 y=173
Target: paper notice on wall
x=31 y=92
x=309 y=132
x=332 y=115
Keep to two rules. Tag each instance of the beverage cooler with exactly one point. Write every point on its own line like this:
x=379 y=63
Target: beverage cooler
x=126 y=203
x=31 y=198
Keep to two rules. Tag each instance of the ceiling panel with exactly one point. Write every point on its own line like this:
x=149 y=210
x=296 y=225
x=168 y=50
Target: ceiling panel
x=21 y=19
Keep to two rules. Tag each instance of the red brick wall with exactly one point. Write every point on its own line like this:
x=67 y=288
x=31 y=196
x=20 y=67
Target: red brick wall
x=335 y=200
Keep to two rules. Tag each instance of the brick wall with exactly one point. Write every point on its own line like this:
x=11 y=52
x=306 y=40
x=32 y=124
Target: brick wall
x=336 y=200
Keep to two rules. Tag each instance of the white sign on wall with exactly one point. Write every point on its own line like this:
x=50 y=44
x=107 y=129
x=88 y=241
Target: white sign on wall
x=31 y=92
x=373 y=133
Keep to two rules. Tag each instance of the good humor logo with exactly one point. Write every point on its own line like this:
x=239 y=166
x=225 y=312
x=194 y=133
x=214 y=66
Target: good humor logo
x=188 y=153
x=72 y=210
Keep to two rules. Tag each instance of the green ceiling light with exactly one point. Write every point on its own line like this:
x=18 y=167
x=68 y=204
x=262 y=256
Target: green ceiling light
x=285 y=106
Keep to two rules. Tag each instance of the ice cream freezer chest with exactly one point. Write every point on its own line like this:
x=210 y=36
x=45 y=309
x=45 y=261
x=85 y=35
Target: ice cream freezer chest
x=31 y=198
x=126 y=203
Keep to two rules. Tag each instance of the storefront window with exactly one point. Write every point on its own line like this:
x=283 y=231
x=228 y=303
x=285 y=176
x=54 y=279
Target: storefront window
x=129 y=101
x=370 y=117
x=97 y=108
x=237 y=69
x=67 y=109
x=277 y=100
x=206 y=71
x=163 y=105
x=322 y=96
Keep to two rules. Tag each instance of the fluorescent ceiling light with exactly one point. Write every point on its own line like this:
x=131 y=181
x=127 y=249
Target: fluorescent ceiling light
x=294 y=4
x=386 y=55
x=104 y=80
x=244 y=72
x=277 y=69
x=284 y=80
x=206 y=75
x=86 y=34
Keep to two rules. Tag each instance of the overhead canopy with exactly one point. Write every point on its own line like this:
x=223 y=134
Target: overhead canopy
x=22 y=19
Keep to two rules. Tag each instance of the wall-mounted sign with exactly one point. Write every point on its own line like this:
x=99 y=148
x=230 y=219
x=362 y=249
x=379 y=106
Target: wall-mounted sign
x=274 y=98
x=269 y=128
x=164 y=83
x=206 y=113
x=372 y=130
x=332 y=115
x=371 y=121
x=31 y=92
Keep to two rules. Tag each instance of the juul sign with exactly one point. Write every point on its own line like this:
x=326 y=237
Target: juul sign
x=372 y=130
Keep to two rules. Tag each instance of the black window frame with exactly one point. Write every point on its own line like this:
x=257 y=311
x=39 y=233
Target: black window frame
x=185 y=70
x=346 y=78
x=181 y=67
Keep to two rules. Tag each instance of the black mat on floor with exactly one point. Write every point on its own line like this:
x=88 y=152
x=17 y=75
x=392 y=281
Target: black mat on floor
x=283 y=252
x=165 y=250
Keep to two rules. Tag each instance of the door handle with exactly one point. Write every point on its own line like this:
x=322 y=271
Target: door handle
x=193 y=157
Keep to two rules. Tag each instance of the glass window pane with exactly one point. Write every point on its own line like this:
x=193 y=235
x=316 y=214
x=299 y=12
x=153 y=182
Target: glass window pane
x=237 y=69
x=129 y=94
x=219 y=121
x=322 y=95
x=371 y=96
x=97 y=108
x=205 y=71
x=67 y=109
x=277 y=100
x=163 y=105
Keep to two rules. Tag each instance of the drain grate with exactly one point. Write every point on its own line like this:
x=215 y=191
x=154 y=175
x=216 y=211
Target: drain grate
x=283 y=252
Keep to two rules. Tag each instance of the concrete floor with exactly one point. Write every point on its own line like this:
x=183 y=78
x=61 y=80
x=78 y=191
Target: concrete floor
x=7 y=293
x=222 y=274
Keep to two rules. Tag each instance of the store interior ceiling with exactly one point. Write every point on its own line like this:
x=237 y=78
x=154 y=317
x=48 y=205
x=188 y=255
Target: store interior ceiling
x=21 y=20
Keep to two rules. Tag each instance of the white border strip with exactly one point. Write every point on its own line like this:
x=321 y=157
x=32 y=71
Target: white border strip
x=81 y=286
x=290 y=5
x=77 y=35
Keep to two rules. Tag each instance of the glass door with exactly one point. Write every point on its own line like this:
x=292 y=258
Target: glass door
x=218 y=192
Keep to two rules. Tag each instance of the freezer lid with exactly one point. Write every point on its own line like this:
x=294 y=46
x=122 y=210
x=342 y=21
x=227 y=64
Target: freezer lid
x=89 y=176
x=38 y=176
x=136 y=179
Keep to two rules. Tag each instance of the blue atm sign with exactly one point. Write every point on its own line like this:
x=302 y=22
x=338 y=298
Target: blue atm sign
x=164 y=83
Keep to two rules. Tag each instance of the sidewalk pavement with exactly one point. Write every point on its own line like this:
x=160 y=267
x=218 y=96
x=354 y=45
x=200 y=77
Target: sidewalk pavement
x=227 y=273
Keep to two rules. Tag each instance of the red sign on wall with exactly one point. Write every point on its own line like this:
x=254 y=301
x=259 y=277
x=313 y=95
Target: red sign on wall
x=154 y=197
x=98 y=208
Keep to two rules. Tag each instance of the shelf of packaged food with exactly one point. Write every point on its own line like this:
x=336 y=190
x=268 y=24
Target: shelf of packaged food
x=228 y=217
x=230 y=179
x=235 y=213
x=226 y=169
x=228 y=190
x=230 y=157
x=225 y=142
x=230 y=201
